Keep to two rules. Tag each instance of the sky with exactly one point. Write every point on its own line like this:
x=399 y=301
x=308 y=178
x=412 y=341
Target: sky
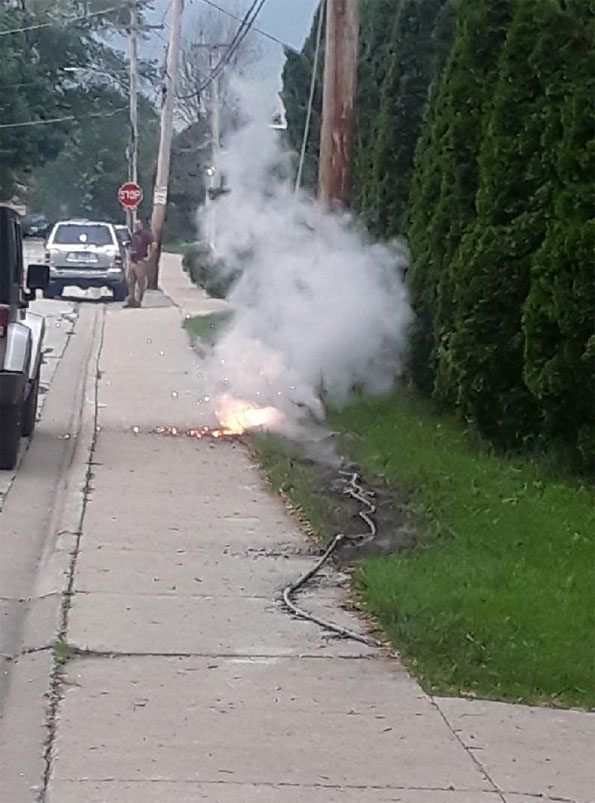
x=287 y=20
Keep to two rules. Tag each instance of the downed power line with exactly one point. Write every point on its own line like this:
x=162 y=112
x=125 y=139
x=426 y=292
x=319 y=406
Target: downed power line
x=351 y=486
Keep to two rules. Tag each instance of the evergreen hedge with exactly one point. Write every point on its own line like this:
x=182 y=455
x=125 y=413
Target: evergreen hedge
x=474 y=138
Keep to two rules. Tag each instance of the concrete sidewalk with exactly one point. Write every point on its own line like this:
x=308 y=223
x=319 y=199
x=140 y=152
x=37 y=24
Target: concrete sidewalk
x=194 y=684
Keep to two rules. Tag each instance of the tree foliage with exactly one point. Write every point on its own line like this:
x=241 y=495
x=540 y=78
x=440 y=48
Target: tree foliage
x=378 y=18
x=558 y=314
x=198 y=58
x=297 y=77
x=443 y=197
x=50 y=73
x=84 y=178
x=402 y=68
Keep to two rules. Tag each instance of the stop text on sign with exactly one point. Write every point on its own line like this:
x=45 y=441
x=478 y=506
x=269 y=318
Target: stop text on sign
x=130 y=195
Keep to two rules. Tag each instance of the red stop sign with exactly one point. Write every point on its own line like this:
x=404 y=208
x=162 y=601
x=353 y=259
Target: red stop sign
x=130 y=195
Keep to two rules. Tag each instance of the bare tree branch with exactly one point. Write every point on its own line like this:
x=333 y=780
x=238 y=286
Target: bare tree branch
x=206 y=37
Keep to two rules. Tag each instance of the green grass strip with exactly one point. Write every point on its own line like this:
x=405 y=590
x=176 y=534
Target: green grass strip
x=498 y=601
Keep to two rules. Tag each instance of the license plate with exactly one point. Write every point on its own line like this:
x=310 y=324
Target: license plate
x=89 y=259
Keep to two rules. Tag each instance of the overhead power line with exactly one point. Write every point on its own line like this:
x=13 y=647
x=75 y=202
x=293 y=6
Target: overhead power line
x=254 y=28
x=239 y=36
x=67 y=118
x=63 y=20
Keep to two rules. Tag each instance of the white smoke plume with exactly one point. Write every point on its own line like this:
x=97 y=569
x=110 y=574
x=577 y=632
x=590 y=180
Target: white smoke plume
x=318 y=309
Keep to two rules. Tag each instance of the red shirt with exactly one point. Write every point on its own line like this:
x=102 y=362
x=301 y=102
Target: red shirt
x=139 y=245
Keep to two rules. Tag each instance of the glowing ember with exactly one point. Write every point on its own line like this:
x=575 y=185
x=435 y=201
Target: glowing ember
x=236 y=415
x=200 y=432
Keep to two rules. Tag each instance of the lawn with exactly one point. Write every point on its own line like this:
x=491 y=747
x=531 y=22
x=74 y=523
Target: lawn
x=497 y=599
x=206 y=327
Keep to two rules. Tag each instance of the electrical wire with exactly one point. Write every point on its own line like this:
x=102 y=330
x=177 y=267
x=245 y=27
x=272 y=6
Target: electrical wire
x=241 y=33
x=63 y=21
x=238 y=38
x=298 y=178
x=254 y=28
x=67 y=118
x=353 y=488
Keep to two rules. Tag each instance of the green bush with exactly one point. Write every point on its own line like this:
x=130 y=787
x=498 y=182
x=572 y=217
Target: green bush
x=559 y=312
x=208 y=272
x=444 y=189
x=482 y=363
x=377 y=28
x=501 y=233
x=479 y=358
x=403 y=102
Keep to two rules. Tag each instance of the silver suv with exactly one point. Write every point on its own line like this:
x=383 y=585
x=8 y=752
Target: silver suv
x=84 y=253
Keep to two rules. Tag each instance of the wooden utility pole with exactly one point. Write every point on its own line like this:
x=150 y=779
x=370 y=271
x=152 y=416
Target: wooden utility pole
x=133 y=98
x=166 y=134
x=212 y=172
x=340 y=73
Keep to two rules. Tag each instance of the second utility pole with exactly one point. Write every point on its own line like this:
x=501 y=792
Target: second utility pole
x=167 y=127
x=212 y=172
x=133 y=98
x=340 y=73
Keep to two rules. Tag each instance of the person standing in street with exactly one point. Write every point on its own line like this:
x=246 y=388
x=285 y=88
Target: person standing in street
x=142 y=246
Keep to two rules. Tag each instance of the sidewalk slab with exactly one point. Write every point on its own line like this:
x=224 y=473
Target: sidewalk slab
x=166 y=791
x=539 y=751
x=166 y=625
x=183 y=573
x=252 y=721
x=189 y=298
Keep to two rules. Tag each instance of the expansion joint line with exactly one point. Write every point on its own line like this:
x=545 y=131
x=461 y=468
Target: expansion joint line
x=469 y=752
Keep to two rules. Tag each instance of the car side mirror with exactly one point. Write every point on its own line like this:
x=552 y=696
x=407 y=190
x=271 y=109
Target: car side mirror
x=38 y=277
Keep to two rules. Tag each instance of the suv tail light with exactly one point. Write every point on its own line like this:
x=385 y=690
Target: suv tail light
x=3 y=320
x=47 y=258
x=118 y=259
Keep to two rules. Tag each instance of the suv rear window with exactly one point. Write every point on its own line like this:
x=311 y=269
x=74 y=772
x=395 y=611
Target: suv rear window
x=75 y=233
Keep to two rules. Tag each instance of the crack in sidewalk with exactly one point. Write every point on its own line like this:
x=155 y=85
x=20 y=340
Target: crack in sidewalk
x=81 y=652
x=469 y=752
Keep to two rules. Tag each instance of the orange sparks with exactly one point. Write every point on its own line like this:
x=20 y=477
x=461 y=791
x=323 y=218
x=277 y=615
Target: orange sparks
x=201 y=432
x=236 y=415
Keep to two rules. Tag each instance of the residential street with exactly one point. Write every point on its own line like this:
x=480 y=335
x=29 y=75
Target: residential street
x=157 y=563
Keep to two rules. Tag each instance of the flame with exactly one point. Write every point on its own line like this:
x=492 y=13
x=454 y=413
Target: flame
x=236 y=415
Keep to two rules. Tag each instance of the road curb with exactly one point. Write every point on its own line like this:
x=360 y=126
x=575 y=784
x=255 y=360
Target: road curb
x=37 y=605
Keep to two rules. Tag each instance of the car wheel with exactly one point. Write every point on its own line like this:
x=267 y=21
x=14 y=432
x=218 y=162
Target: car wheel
x=11 y=419
x=30 y=408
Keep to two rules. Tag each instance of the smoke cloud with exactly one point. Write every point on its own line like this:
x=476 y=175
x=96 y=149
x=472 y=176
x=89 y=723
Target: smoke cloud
x=318 y=309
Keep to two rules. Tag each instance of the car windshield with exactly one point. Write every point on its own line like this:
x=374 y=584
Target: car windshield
x=76 y=234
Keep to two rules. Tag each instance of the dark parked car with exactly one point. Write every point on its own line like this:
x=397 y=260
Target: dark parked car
x=35 y=226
